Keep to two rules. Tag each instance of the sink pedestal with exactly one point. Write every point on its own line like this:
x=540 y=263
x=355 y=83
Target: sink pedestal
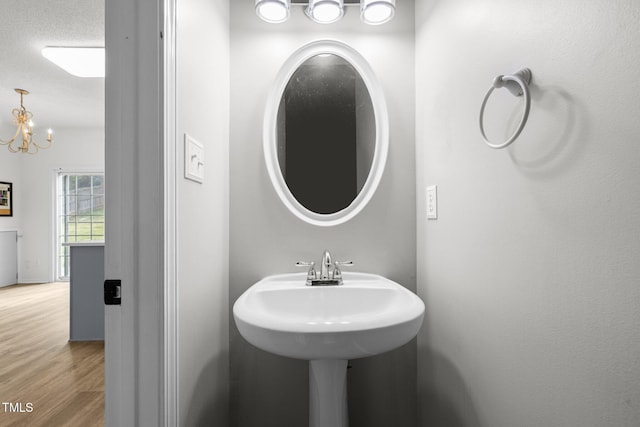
x=328 y=393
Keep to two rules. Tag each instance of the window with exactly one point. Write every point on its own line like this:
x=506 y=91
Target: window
x=80 y=214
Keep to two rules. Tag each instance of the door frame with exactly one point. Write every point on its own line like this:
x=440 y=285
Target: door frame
x=170 y=147
x=140 y=334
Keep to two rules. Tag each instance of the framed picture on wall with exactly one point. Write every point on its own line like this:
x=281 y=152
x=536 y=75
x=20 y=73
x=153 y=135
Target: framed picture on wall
x=6 y=199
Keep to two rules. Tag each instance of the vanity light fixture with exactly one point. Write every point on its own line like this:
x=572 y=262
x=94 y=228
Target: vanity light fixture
x=325 y=11
x=273 y=11
x=372 y=12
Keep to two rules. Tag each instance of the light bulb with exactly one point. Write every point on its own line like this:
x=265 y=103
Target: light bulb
x=325 y=11
x=273 y=11
x=376 y=12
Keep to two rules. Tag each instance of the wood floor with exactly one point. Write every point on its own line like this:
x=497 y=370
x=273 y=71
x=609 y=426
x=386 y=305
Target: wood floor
x=44 y=379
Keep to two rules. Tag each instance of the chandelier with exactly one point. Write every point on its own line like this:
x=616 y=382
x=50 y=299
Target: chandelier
x=23 y=138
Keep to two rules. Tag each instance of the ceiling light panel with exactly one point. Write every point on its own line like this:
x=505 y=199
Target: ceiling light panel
x=78 y=61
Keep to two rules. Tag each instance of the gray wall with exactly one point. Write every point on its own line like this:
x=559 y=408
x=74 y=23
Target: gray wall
x=268 y=390
x=531 y=274
x=202 y=93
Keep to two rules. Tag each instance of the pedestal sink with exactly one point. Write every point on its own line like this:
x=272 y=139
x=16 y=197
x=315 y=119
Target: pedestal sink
x=368 y=314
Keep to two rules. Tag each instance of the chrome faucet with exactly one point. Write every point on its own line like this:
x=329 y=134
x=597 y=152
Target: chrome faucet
x=328 y=276
x=325 y=267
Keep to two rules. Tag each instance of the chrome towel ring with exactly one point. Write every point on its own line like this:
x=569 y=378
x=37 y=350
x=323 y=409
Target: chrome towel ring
x=518 y=85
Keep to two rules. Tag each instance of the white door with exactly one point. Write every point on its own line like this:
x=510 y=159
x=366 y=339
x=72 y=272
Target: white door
x=134 y=227
x=8 y=258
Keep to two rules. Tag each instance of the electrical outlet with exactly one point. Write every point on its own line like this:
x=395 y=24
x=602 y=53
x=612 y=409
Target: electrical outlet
x=432 y=202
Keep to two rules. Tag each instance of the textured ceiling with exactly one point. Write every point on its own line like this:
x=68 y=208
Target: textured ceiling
x=57 y=99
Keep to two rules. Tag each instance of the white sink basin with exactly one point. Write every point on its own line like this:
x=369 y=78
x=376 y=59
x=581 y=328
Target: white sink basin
x=367 y=315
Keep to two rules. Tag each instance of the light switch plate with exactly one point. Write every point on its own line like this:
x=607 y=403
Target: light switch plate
x=432 y=202
x=193 y=159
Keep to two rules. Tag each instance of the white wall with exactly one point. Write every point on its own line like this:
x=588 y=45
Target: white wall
x=268 y=390
x=73 y=149
x=203 y=213
x=530 y=274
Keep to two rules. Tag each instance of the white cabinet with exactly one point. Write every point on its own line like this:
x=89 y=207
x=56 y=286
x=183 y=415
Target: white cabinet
x=8 y=258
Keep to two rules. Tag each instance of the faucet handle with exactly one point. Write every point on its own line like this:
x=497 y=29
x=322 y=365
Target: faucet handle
x=341 y=263
x=337 y=272
x=311 y=274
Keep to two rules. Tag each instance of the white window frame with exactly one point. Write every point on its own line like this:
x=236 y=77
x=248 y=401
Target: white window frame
x=57 y=174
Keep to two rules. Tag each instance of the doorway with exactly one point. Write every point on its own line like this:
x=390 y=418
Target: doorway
x=34 y=315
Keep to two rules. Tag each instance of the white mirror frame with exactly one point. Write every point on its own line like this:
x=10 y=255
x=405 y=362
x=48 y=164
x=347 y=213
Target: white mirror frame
x=270 y=132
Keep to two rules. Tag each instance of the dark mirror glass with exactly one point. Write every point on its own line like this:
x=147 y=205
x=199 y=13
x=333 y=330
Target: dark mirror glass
x=326 y=134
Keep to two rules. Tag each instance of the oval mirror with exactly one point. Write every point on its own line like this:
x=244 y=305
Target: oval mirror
x=326 y=133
